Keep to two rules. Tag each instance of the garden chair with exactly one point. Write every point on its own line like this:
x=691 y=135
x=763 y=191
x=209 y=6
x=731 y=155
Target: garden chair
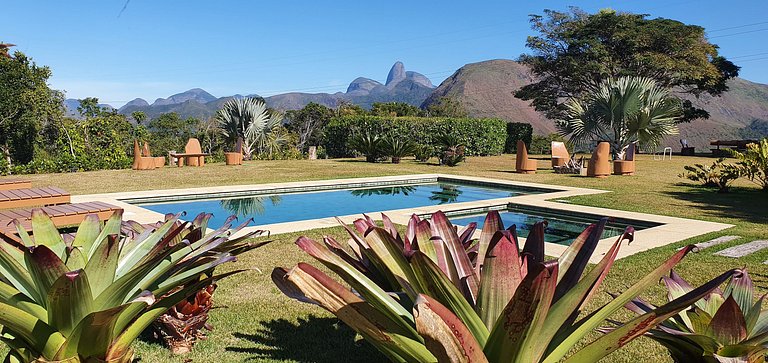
x=600 y=163
x=522 y=164
x=560 y=155
x=193 y=154
x=158 y=160
x=141 y=162
x=235 y=157
x=627 y=165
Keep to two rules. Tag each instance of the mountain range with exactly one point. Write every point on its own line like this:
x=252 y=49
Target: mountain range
x=401 y=86
x=486 y=89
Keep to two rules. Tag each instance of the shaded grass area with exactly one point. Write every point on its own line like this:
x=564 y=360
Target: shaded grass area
x=254 y=322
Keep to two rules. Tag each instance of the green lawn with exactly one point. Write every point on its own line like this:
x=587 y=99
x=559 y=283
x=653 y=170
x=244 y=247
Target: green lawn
x=254 y=322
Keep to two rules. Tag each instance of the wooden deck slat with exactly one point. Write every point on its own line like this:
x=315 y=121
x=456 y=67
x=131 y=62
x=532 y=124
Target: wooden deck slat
x=61 y=215
x=71 y=209
x=31 y=197
x=9 y=184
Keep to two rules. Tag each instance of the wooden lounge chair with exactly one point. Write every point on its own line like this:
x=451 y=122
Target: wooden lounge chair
x=560 y=155
x=61 y=215
x=600 y=163
x=31 y=197
x=522 y=164
x=159 y=161
x=141 y=162
x=626 y=166
x=9 y=184
x=193 y=154
x=235 y=157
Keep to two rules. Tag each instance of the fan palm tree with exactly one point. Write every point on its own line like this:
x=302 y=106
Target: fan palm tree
x=622 y=111
x=249 y=118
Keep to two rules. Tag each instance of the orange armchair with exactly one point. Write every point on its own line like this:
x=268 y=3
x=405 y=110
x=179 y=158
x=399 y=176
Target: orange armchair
x=235 y=157
x=600 y=163
x=141 y=162
x=627 y=165
x=159 y=161
x=560 y=155
x=522 y=164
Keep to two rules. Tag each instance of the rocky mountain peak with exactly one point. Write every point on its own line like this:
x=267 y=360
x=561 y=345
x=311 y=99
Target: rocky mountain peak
x=396 y=74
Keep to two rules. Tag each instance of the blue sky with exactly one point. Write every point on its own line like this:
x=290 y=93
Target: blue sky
x=157 y=48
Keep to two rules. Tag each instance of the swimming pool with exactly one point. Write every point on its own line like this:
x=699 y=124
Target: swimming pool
x=562 y=228
x=307 y=205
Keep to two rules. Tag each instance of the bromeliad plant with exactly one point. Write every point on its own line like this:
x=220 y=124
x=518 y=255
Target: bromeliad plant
x=721 y=327
x=436 y=295
x=88 y=298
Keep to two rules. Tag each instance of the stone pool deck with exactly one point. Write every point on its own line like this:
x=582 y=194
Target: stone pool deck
x=671 y=230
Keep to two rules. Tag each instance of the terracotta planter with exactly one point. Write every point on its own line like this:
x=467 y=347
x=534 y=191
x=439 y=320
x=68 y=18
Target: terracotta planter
x=622 y=167
x=233 y=158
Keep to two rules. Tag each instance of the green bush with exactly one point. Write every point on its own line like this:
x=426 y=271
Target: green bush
x=518 y=131
x=480 y=136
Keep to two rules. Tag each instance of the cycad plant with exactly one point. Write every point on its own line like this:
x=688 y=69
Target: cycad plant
x=753 y=163
x=367 y=143
x=435 y=295
x=88 y=298
x=727 y=327
x=452 y=150
x=621 y=111
x=396 y=148
x=718 y=175
x=249 y=118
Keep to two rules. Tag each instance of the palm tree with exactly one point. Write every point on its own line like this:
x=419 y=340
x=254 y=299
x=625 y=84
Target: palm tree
x=249 y=118
x=622 y=111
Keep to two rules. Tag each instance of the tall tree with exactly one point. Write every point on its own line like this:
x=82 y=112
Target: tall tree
x=170 y=132
x=308 y=123
x=575 y=51
x=139 y=116
x=447 y=107
x=26 y=105
x=395 y=109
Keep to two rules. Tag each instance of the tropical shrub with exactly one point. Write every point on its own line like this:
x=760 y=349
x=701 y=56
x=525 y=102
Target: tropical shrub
x=396 y=148
x=721 y=327
x=753 y=163
x=434 y=295
x=367 y=144
x=479 y=136
x=621 y=111
x=423 y=152
x=249 y=118
x=452 y=150
x=718 y=175
x=517 y=131
x=86 y=299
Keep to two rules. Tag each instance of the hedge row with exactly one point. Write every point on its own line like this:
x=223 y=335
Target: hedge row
x=518 y=131
x=480 y=136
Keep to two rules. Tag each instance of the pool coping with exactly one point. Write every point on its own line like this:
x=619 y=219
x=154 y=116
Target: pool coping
x=673 y=229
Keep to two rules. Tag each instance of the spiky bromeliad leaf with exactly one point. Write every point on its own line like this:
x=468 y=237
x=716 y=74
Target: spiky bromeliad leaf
x=69 y=303
x=532 y=306
x=716 y=326
x=393 y=339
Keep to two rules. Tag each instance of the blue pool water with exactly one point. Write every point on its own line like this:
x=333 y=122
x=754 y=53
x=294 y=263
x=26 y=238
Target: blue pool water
x=291 y=207
x=562 y=228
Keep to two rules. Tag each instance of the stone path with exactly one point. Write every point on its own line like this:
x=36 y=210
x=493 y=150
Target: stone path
x=714 y=242
x=743 y=249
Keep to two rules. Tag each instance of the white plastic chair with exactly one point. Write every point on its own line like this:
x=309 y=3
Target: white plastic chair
x=663 y=155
